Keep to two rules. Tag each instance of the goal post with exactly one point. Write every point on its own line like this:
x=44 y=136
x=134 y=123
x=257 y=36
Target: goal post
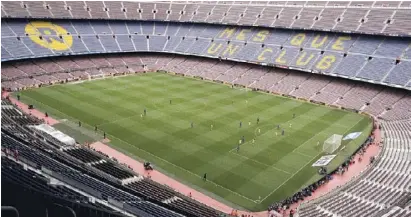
x=332 y=143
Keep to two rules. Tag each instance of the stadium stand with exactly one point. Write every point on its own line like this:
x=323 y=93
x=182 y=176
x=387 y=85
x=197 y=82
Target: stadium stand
x=375 y=59
x=365 y=41
x=398 y=211
x=17 y=116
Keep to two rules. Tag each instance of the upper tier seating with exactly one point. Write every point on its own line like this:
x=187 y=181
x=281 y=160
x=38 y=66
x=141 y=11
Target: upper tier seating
x=376 y=59
x=368 y=17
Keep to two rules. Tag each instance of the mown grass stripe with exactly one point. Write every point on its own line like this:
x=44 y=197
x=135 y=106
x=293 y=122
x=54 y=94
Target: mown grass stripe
x=115 y=106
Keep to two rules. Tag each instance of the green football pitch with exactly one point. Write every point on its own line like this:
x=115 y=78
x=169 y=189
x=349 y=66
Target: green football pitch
x=268 y=169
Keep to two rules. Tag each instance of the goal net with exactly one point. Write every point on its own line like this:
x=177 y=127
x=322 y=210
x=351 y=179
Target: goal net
x=332 y=143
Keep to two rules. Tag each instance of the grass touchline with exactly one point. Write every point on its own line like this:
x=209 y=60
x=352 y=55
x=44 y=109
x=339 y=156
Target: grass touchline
x=191 y=127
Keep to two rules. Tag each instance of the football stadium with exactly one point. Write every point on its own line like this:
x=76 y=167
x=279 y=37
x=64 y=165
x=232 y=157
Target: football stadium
x=206 y=108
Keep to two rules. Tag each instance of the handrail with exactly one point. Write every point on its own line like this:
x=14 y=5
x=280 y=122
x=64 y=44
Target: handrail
x=10 y=208
x=68 y=208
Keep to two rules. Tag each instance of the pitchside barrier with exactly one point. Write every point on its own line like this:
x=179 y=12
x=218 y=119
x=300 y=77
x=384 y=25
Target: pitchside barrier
x=275 y=93
x=263 y=91
x=317 y=102
x=289 y=96
x=350 y=109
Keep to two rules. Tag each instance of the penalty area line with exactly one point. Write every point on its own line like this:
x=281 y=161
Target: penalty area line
x=302 y=154
x=289 y=178
x=305 y=164
x=247 y=158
